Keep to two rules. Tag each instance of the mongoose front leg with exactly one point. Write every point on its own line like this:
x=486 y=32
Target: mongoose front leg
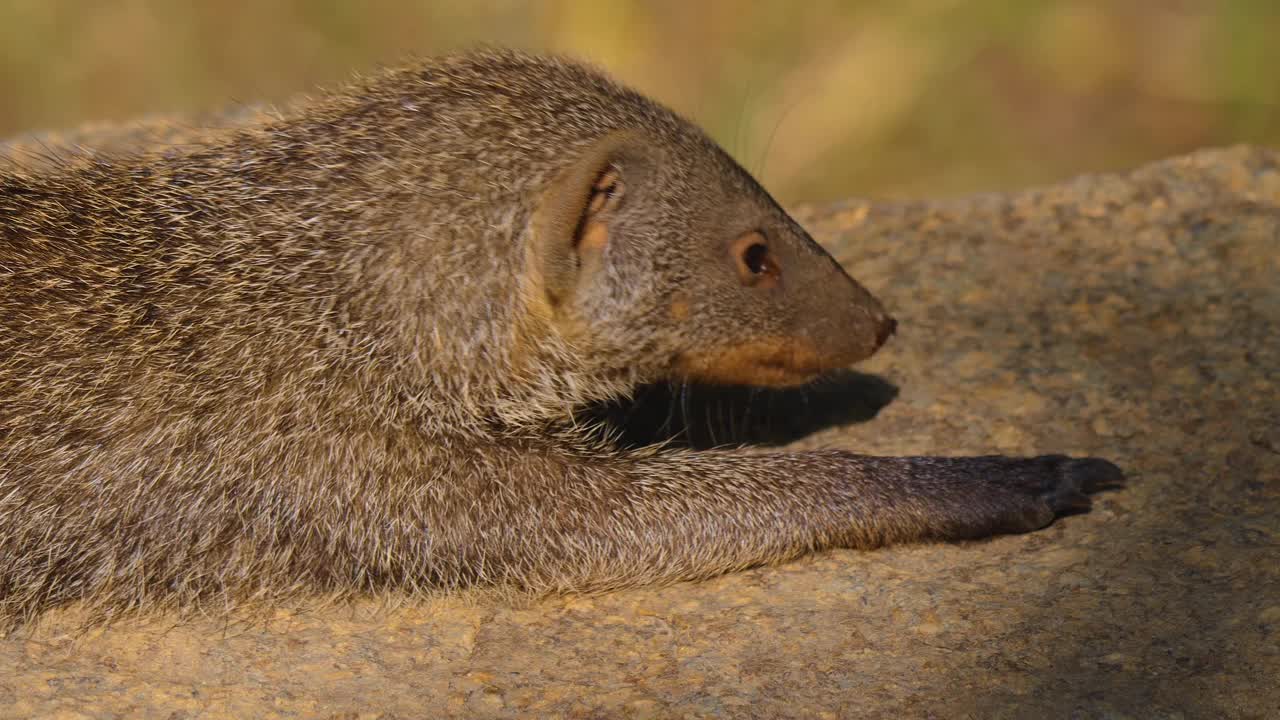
x=574 y=524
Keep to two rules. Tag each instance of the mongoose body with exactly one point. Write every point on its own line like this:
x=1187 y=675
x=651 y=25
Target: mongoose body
x=343 y=349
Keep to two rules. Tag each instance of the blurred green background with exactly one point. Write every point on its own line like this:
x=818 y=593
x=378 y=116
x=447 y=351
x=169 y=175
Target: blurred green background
x=821 y=98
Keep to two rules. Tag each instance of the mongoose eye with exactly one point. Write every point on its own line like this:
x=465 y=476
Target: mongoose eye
x=756 y=265
x=756 y=258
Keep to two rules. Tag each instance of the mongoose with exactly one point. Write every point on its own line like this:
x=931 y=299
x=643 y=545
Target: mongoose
x=341 y=351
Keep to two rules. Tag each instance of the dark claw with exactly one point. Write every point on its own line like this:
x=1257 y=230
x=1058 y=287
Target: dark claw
x=1093 y=474
x=1076 y=479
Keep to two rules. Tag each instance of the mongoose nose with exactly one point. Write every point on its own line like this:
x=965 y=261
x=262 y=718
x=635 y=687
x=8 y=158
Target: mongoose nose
x=888 y=326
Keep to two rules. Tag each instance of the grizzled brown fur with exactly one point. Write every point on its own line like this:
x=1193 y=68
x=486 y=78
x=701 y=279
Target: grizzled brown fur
x=340 y=350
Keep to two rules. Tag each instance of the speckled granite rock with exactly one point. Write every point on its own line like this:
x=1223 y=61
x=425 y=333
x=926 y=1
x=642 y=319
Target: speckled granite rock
x=1136 y=317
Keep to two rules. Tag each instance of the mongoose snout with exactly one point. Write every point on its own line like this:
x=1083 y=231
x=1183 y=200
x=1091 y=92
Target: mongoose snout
x=888 y=326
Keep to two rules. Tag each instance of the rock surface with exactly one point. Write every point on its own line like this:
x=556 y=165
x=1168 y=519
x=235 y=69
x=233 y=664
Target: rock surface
x=1135 y=317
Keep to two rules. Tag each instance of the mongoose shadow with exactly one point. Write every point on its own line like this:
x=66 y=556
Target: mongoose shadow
x=701 y=416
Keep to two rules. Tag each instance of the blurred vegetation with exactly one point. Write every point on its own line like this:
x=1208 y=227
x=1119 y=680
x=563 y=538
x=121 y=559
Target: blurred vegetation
x=822 y=98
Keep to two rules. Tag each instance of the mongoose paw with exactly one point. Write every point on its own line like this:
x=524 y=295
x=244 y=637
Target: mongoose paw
x=1061 y=486
x=1075 y=479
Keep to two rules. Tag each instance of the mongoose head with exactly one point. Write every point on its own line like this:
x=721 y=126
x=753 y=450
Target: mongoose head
x=658 y=230
x=643 y=246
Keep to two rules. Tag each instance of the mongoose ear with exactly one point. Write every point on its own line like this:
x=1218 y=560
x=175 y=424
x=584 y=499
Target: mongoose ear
x=577 y=212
